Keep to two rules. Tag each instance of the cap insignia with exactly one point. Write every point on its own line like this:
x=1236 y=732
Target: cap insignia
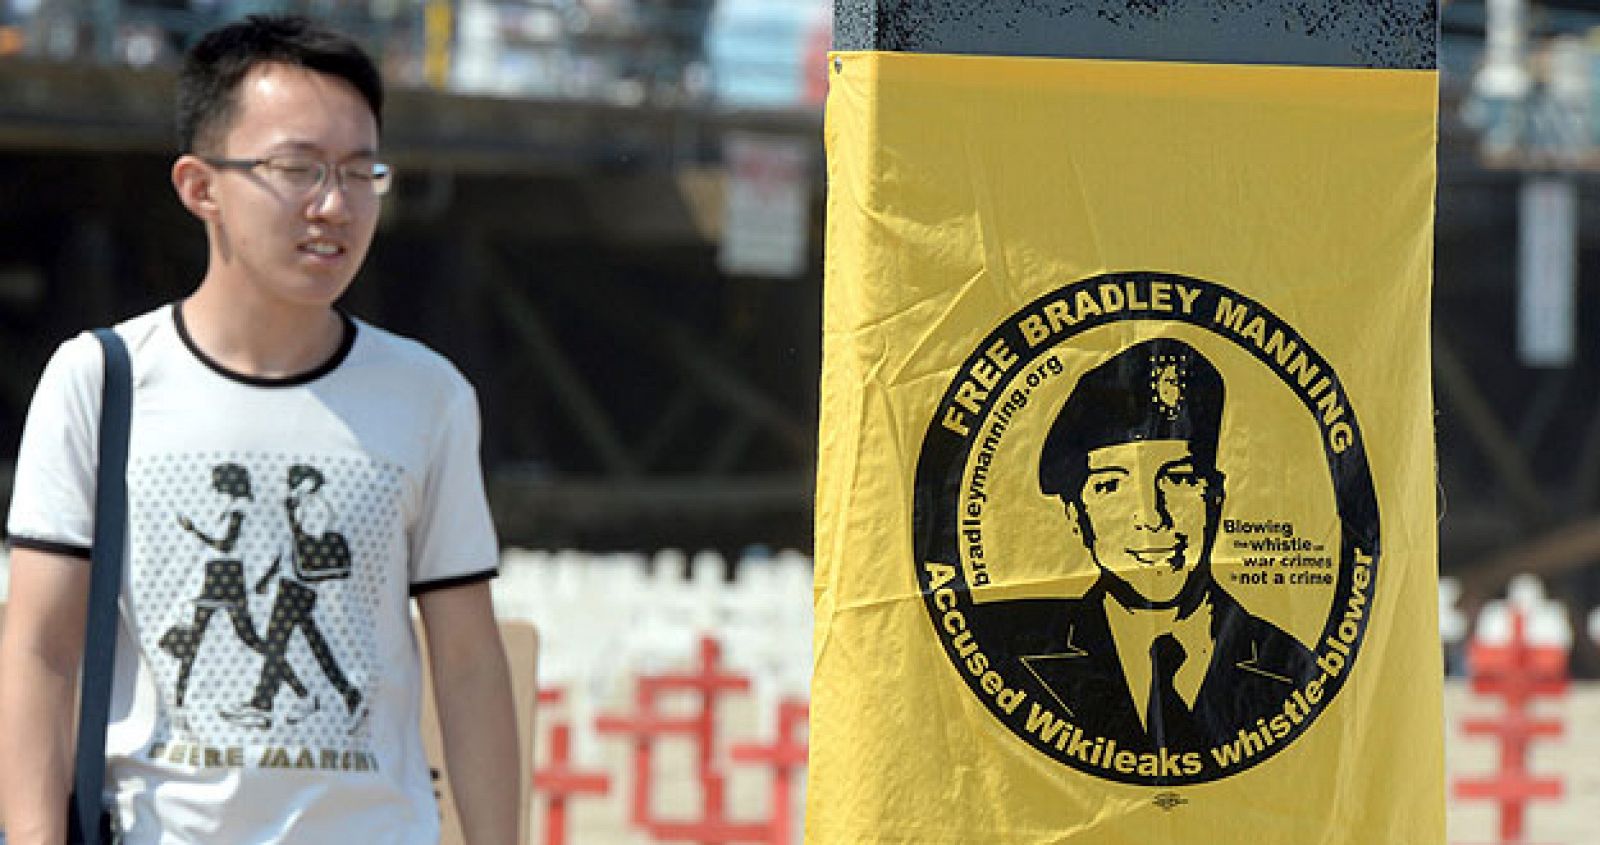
x=1168 y=382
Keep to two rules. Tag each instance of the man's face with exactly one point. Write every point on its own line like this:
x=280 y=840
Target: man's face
x=1144 y=516
x=284 y=247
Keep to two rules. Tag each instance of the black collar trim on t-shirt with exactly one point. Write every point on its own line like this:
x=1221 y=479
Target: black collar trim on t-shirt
x=328 y=366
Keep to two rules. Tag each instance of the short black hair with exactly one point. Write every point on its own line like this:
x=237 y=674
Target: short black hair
x=208 y=85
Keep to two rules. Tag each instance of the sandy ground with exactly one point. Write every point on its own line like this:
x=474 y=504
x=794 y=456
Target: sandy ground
x=1572 y=820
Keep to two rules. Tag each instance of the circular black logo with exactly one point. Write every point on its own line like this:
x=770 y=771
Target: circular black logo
x=1146 y=531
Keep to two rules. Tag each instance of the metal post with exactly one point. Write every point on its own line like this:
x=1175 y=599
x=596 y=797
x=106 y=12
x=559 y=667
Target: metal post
x=1326 y=33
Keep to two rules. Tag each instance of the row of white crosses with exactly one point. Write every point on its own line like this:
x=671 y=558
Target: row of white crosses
x=1546 y=621
x=605 y=619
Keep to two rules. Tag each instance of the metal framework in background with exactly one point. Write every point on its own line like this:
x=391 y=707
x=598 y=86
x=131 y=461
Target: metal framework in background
x=1515 y=363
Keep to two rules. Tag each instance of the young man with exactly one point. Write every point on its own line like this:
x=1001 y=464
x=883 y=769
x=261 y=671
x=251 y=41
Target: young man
x=306 y=730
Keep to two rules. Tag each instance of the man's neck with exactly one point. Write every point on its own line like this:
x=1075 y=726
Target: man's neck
x=261 y=339
x=1133 y=630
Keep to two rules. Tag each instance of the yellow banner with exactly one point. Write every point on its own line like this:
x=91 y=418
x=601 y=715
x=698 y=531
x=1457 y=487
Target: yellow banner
x=1125 y=514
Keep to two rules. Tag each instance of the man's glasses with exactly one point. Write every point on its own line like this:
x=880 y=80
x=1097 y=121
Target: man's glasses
x=299 y=176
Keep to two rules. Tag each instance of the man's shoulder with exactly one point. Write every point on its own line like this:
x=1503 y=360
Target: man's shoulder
x=1067 y=610
x=423 y=366
x=1030 y=609
x=139 y=328
x=1245 y=635
x=78 y=360
x=1035 y=624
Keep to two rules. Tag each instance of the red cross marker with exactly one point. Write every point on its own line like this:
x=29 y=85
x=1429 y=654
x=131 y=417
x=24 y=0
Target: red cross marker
x=558 y=780
x=1517 y=672
x=712 y=684
x=643 y=727
x=646 y=725
x=713 y=827
x=1512 y=790
x=785 y=755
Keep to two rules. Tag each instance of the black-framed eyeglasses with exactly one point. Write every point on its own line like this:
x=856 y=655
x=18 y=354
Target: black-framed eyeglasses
x=306 y=176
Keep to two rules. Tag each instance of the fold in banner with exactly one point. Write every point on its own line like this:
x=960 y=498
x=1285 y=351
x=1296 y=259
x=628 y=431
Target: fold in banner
x=1125 y=517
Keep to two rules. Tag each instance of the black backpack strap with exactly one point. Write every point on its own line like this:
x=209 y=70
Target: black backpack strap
x=86 y=816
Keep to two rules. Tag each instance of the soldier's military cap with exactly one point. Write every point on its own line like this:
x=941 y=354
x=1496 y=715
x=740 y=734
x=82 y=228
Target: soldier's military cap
x=1160 y=389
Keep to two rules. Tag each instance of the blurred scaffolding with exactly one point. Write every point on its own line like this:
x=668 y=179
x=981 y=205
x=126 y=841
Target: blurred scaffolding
x=1515 y=349
x=739 y=53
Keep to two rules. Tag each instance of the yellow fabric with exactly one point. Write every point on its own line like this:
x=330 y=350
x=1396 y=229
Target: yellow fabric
x=1264 y=207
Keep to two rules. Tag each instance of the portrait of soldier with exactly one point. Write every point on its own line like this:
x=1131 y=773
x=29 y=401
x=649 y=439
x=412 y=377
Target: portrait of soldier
x=1156 y=654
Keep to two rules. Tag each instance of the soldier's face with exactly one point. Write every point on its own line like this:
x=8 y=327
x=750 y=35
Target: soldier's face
x=1144 y=517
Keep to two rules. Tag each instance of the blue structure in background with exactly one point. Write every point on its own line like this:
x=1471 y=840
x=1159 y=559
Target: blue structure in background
x=768 y=53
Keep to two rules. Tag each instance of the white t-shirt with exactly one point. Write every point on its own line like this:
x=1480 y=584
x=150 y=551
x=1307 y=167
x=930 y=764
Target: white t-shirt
x=300 y=683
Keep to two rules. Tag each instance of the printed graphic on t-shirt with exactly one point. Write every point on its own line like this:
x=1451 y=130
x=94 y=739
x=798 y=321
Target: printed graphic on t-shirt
x=285 y=550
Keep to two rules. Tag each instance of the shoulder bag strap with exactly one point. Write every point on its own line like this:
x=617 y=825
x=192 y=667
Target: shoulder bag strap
x=105 y=581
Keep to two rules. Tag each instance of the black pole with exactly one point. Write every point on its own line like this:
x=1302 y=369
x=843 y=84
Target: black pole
x=1393 y=34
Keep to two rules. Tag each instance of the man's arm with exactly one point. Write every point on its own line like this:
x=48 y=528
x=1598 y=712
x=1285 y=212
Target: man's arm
x=39 y=654
x=477 y=716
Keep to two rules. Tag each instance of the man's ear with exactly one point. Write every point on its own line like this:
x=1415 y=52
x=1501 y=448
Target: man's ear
x=1082 y=528
x=193 y=181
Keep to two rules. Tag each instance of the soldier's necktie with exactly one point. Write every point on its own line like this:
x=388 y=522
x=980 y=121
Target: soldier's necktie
x=1167 y=716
